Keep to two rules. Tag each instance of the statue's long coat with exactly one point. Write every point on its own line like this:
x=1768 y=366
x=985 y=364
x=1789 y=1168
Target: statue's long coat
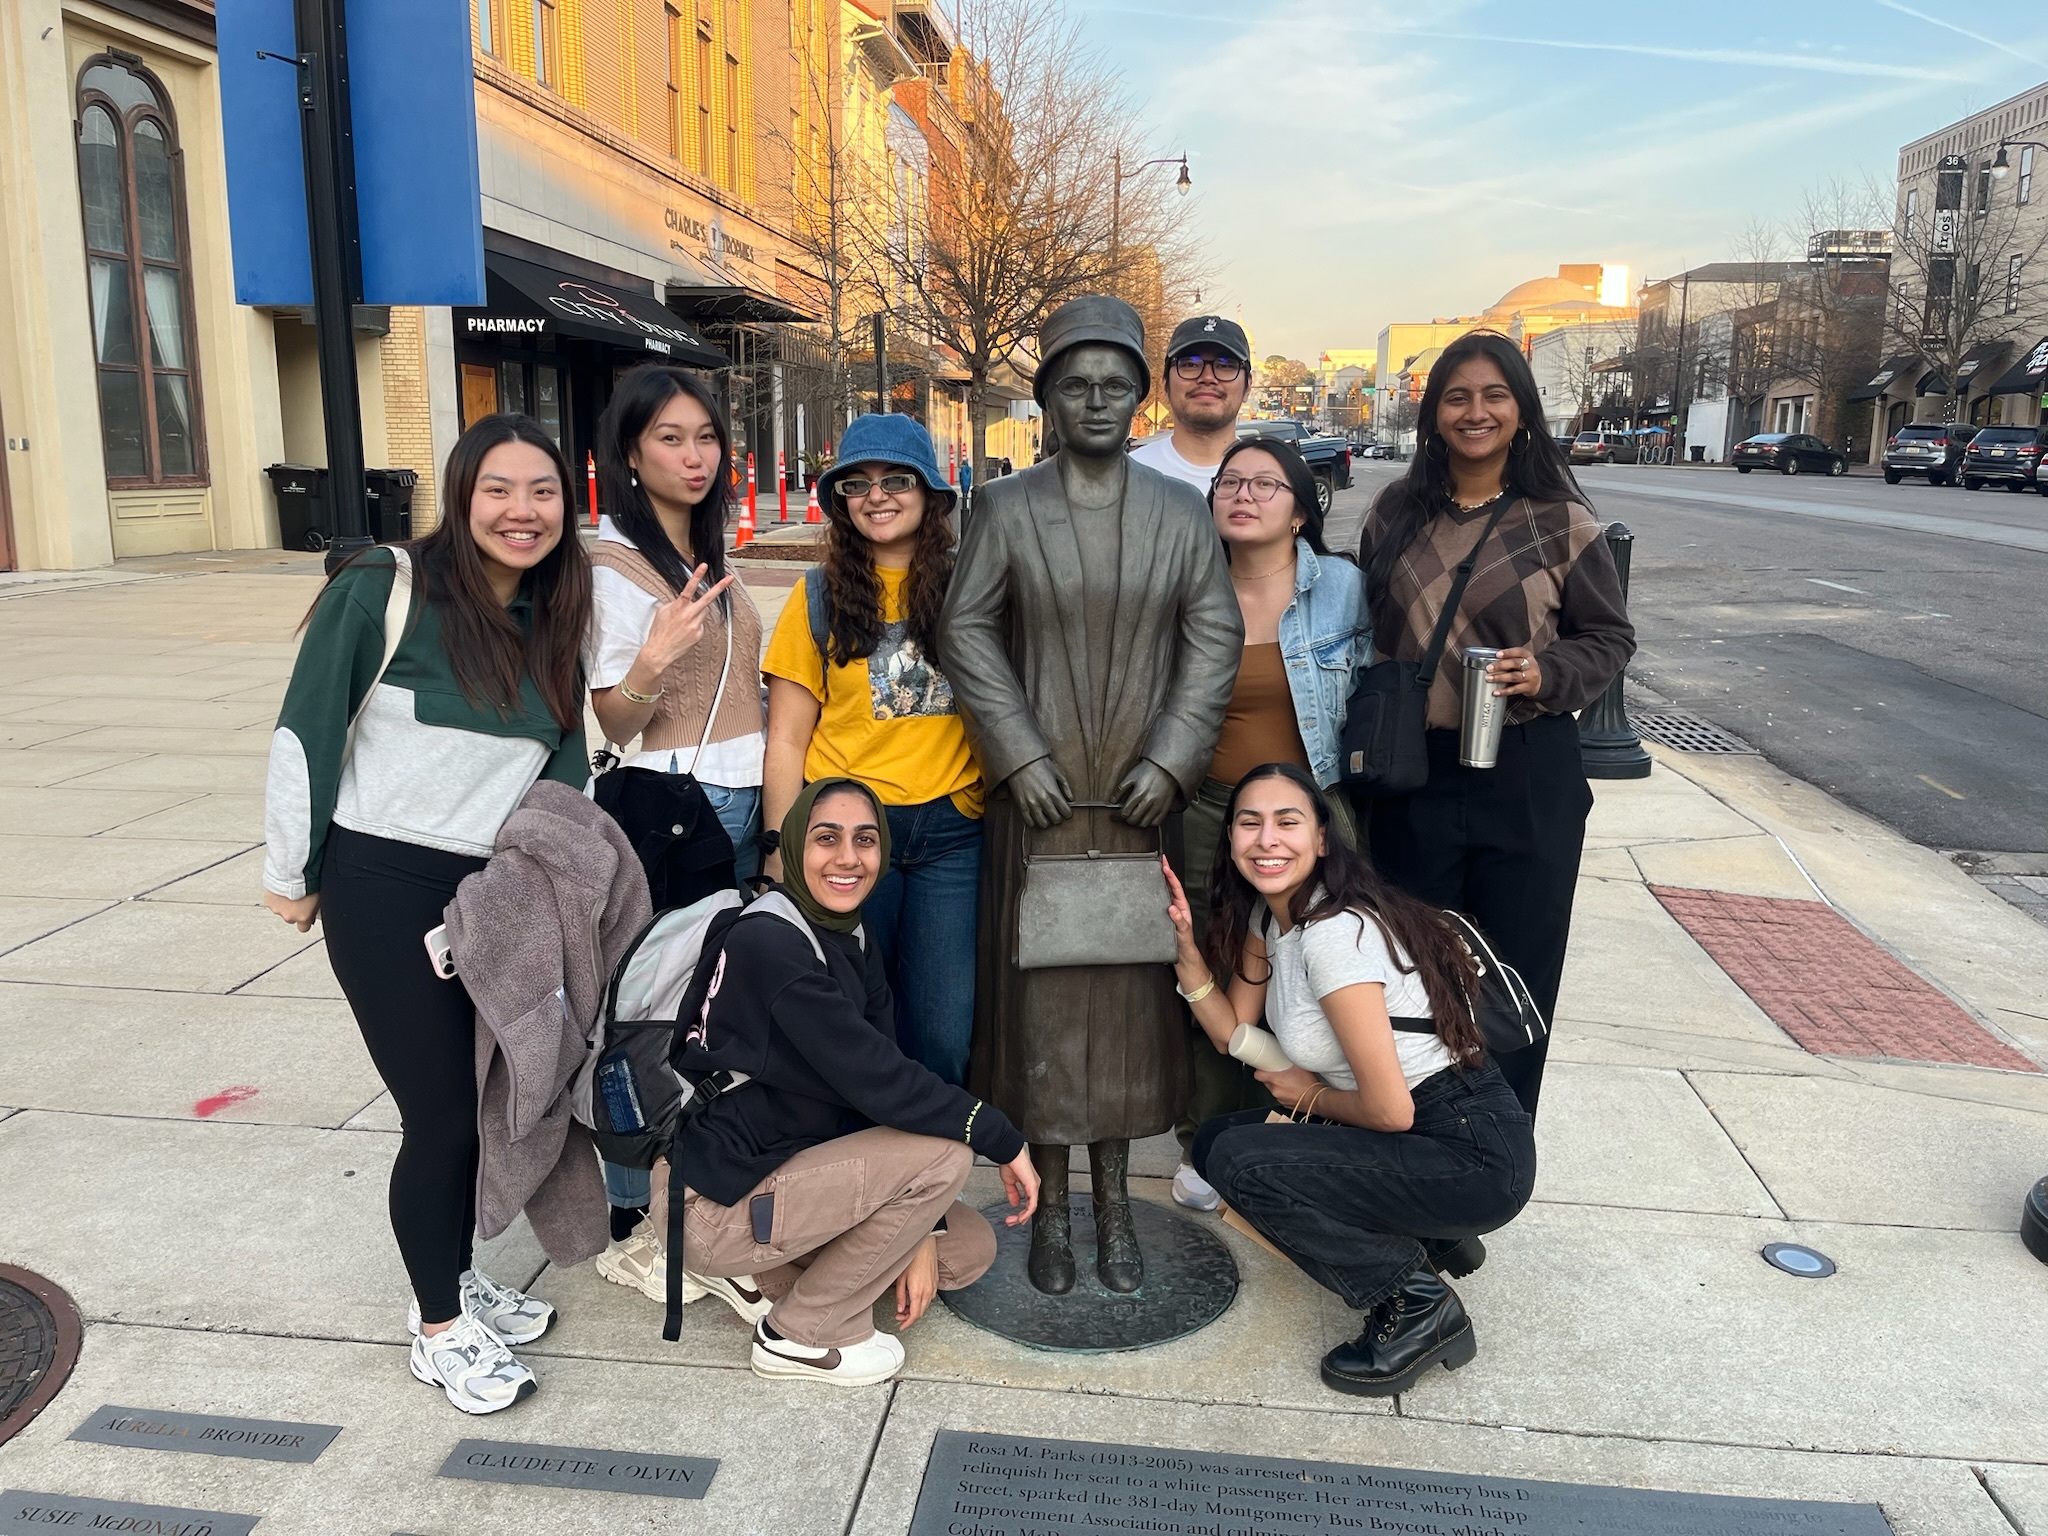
x=1083 y=1054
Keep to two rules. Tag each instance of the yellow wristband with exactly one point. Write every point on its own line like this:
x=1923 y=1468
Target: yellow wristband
x=1199 y=993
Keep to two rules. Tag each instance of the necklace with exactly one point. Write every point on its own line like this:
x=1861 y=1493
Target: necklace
x=1262 y=575
x=1474 y=506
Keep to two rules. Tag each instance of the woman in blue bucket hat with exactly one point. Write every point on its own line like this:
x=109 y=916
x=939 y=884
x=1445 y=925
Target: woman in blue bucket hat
x=854 y=691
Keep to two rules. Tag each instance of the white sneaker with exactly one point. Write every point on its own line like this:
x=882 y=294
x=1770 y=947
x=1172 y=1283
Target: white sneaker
x=473 y=1366
x=1193 y=1191
x=513 y=1316
x=874 y=1359
x=640 y=1262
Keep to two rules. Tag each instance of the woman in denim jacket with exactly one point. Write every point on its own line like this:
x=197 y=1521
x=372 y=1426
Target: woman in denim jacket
x=1305 y=635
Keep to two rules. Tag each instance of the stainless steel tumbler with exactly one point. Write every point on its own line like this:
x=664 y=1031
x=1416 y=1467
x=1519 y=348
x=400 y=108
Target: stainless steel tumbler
x=1481 y=715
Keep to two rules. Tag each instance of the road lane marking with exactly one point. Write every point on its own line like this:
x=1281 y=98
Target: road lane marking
x=2034 y=539
x=1937 y=784
x=1837 y=586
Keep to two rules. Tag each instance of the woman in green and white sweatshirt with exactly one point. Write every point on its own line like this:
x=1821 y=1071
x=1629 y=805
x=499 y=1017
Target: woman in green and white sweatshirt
x=482 y=698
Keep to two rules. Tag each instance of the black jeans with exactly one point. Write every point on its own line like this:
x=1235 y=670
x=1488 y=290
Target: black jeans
x=1501 y=845
x=1351 y=1206
x=378 y=900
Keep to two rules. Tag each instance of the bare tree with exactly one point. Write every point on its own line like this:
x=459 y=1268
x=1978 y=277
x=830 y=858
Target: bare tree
x=1023 y=222
x=1964 y=269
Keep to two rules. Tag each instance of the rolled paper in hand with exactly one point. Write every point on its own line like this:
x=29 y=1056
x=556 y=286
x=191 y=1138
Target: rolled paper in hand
x=1258 y=1049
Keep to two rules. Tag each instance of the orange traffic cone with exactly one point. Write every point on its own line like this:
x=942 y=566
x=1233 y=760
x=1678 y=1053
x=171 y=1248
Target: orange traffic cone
x=813 y=513
x=744 y=535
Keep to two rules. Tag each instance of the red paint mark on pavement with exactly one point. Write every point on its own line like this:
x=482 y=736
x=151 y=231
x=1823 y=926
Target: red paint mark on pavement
x=227 y=1098
x=1827 y=985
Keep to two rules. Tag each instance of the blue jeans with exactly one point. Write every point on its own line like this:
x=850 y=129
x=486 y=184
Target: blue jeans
x=922 y=921
x=739 y=812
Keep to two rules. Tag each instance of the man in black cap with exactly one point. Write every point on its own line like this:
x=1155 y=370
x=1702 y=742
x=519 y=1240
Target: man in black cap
x=1208 y=375
x=1092 y=638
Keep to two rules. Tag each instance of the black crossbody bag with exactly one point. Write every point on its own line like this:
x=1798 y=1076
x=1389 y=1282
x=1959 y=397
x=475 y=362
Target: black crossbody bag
x=1383 y=750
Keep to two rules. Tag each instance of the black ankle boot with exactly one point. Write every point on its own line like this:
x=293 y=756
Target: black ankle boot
x=1051 y=1262
x=1118 y=1263
x=1455 y=1257
x=1422 y=1324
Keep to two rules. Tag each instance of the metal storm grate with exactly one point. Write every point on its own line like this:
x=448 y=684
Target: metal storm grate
x=1685 y=732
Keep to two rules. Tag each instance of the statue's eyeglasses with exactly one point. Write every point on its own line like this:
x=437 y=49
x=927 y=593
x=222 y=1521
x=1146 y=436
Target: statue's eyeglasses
x=854 y=487
x=1261 y=488
x=1115 y=391
x=1190 y=366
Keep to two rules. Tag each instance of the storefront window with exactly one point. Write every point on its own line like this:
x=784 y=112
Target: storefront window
x=512 y=386
x=129 y=183
x=547 y=400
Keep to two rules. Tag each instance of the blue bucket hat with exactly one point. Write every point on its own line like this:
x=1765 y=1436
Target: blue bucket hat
x=890 y=439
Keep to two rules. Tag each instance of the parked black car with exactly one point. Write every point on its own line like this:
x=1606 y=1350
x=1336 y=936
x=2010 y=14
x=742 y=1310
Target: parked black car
x=2004 y=456
x=1930 y=448
x=1789 y=453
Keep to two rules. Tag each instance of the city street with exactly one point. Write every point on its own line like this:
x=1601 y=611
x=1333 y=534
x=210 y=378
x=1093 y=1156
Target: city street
x=1878 y=641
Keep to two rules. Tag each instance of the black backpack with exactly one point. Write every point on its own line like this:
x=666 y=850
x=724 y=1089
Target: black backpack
x=1505 y=1010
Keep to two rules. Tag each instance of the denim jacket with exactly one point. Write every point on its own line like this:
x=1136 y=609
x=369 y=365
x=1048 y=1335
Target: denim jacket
x=1325 y=638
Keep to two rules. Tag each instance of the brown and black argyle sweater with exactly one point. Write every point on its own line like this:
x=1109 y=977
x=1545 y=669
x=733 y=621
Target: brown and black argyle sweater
x=1545 y=580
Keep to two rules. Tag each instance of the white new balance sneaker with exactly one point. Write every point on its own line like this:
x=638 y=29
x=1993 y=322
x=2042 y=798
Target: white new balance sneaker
x=1193 y=1191
x=513 y=1316
x=875 y=1358
x=472 y=1365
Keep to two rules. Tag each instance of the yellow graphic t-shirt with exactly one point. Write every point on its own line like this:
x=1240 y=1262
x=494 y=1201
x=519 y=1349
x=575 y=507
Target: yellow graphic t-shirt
x=888 y=719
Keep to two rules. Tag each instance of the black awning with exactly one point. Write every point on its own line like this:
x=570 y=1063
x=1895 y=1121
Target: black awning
x=2028 y=376
x=736 y=304
x=1883 y=378
x=1931 y=383
x=529 y=300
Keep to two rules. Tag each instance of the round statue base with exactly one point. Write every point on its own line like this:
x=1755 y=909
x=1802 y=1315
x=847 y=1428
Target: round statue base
x=1190 y=1280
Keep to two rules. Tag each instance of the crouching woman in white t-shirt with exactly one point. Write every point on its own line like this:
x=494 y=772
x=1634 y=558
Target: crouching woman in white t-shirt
x=1410 y=1143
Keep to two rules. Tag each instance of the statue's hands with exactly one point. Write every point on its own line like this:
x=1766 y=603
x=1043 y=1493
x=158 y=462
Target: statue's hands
x=1146 y=794
x=1042 y=793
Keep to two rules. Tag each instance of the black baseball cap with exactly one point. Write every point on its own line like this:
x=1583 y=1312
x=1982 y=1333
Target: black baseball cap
x=1210 y=331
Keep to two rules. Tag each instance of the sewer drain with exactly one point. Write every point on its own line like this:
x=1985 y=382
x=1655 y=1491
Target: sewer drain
x=1685 y=732
x=38 y=1345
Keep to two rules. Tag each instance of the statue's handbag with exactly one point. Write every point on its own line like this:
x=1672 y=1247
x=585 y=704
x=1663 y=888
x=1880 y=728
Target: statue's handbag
x=1383 y=749
x=1092 y=908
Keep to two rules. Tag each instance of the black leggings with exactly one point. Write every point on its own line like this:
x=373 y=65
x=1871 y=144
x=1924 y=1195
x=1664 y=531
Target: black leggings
x=378 y=900
x=1502 y=846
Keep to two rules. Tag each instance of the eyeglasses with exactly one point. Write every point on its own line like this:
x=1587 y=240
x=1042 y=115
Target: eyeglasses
x=855 y=487
x=1115 y=391
x=1190 y=366
x=1262 y=488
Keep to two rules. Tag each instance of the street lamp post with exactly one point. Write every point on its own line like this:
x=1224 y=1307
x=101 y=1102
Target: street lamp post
x=2001 y=167
x=1116 y=196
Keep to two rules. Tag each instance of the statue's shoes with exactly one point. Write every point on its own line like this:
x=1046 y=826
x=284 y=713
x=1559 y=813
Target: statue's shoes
x=1051 y=1265
x=1118 y=1263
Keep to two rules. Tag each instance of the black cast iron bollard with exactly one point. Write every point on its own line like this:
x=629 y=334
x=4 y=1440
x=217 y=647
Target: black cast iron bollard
x=1608 y=745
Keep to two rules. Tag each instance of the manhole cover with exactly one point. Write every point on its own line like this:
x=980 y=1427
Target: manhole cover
x=1683 y=731
x=38 y=1345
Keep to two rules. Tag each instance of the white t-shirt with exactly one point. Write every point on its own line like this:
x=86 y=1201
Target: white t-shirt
x=1159 y=453
x=1316 y=959
x=621 y=615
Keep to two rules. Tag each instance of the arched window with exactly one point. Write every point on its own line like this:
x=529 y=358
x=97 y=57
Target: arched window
x=130 y=177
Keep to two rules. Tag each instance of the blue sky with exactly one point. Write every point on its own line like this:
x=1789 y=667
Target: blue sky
x=1358 y=161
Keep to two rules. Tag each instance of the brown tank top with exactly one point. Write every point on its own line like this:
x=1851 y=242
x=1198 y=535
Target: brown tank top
x=1260 y=725
x=690 y=684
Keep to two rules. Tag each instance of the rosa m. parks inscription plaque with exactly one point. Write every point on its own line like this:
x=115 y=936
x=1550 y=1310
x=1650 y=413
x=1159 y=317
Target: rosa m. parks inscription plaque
x=22 y=1513
x=565 y=1466
x=257 y=1439
x=1007 y=1485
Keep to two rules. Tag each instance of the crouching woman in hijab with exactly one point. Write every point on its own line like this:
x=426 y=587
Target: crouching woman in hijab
x=835 y=1171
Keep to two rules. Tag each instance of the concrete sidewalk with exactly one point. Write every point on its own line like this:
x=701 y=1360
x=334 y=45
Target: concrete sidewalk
x=193 y=1144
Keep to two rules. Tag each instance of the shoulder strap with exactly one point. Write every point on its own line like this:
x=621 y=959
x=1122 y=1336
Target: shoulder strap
x=1435 y=653
x=780 y=904
x=397 y=607
x=817 y=602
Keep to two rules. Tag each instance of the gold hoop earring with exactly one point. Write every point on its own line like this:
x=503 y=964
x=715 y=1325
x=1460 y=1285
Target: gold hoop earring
x=1519 y=443
x=1433 y=444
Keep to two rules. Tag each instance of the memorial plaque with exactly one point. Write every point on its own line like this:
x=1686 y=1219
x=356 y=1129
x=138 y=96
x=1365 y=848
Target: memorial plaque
x=22 y=1512
x=258 y=1439
x=1007 y=1485
x=563 y=1466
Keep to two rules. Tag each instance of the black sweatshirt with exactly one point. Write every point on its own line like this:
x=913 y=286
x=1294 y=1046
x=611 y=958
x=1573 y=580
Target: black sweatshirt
x=819 y=1042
